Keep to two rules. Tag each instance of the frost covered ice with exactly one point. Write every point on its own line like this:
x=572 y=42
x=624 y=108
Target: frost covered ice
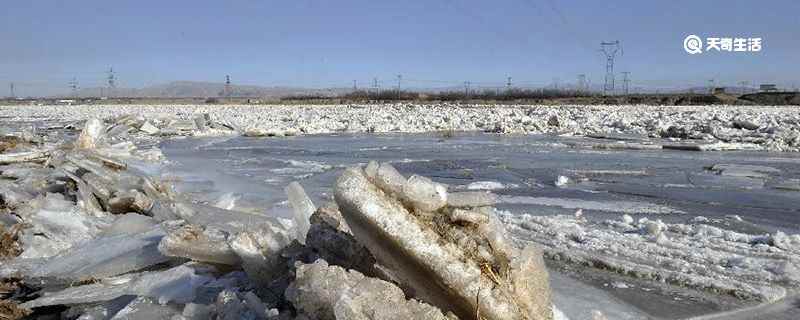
x=697 y=255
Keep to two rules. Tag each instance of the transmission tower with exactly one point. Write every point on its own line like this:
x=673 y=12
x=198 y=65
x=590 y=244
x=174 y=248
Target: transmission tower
x=626 y=81
x=112 y=81
x=610 y=50
x=399 y=79
x=11 y=89
x=355 y=87
x=508 y=83
x=581 y=82
x=375 y=85
x=73 y=85
x=466 y=89
x=711 y=86
x=227 y=90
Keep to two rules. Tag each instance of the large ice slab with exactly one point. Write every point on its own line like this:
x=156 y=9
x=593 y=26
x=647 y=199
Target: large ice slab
x=178 y=285
x=424 y=253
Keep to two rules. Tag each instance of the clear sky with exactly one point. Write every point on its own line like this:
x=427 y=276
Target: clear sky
x=316 y=43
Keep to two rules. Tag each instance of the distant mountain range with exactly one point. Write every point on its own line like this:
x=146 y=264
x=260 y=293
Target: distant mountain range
x=194 y=89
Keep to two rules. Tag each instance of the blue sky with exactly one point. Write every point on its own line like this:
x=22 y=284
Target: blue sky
x=44 y=44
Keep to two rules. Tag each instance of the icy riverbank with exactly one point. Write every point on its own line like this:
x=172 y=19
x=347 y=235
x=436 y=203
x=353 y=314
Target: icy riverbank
x=720 y=127
x=92 y=235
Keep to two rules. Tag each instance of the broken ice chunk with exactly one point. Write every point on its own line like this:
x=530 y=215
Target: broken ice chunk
x=92 y=134
x=149 y=128
x=146 y=308
x=129 y=224
x=259 y=252
x=178 y=285
x=234 y=305
x=331 y=239
x=227 y=201
x=12 y=196
x=99 y=258
x=371 y=170
x=199 y=244
x=445 y=275
x=495 y=234
x=328 y=292
x=388 y=179
x=424 y=194
x=531 y=287
x=302 y=207
x=194 y=311
x=32 y=156
x=56 y=225
x=471 y=199
x=468 y=216
x=226 y=220
x=130 y=201
x=561 y=181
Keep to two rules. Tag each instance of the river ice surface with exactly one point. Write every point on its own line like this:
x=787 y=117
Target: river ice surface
x=747 y=194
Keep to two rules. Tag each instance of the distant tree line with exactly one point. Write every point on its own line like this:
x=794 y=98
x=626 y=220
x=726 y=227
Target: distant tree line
x=487 y=94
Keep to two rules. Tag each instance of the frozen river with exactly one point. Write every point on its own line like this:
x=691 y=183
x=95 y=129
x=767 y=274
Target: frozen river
x=749 y=193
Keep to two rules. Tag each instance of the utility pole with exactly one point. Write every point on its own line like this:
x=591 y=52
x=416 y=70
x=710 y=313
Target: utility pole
x=355 y=88
x=626 y=81
x=610 y=50
x=375 y=85
x=711 y=86
x=11 y=87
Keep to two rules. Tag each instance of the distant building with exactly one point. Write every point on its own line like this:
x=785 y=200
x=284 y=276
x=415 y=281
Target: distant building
x=768 y=88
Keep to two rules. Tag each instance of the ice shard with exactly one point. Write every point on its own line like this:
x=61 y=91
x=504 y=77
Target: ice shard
x=302 y=208
x=92 y=134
